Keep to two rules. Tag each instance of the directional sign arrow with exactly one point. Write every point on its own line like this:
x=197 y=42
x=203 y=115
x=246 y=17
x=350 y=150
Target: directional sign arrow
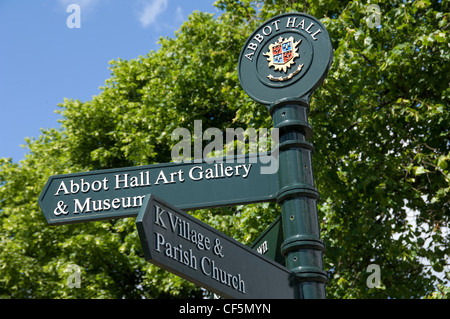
x=189 y=248
x=116 y=193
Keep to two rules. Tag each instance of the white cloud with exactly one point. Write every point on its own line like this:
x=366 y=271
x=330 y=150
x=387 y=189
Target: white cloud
x=151 y=10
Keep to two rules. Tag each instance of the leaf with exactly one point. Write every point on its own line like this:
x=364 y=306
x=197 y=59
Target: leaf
x=418 y=170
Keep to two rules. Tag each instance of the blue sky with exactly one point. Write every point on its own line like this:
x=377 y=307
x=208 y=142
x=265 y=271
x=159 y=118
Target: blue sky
x=42 y=60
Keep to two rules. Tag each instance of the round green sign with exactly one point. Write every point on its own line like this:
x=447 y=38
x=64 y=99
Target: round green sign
x=286 y=57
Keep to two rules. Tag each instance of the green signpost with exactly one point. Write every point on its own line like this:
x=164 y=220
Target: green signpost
x=280 y=66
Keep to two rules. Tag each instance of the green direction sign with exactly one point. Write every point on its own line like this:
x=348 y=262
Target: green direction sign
x=269 y=242
x=116 y=193
x=187 y=247
x=285 y=58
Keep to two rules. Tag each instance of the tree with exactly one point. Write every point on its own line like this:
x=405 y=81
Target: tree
x=381 y=128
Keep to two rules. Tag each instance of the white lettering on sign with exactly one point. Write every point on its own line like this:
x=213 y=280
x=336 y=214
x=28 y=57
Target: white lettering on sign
x=291 y=24
x=177 y=253
x=106 y=204
x=266 y=31
x=196 y=173
x=269 y=29
x=263 y=248
x=191 y=257
x=209 y=268
x=126 y=181
x=82 y=186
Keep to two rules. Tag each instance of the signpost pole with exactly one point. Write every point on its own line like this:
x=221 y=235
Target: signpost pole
x=282 y=63
x=297 y=196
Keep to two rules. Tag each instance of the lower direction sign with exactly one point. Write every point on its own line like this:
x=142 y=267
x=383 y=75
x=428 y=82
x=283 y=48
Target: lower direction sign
x=191 y=249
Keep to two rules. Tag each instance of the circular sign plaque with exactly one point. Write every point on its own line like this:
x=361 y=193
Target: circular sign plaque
x=286 y=57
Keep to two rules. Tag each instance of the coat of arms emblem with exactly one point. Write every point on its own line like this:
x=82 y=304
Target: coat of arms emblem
x=282 y=55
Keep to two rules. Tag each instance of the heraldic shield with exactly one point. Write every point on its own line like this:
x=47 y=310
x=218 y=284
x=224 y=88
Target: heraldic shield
x=282 y=53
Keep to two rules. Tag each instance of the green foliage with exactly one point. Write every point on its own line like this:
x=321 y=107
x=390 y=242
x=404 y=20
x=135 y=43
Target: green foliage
x=381 y=127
